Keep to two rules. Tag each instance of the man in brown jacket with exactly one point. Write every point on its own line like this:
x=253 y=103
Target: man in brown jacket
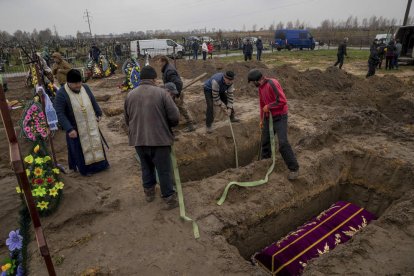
x=150 y=113
x=60 y=68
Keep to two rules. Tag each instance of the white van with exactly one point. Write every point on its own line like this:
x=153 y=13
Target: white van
x=154 y=47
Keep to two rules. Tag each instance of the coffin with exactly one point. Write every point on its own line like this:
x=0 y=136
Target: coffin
x=336 y=225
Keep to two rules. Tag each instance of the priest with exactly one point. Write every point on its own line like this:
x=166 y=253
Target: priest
x=78 y=114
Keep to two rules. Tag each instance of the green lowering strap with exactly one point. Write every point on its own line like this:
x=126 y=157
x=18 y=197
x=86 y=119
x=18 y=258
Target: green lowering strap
x=235 y=144
x=258 y=182
x=180 y=193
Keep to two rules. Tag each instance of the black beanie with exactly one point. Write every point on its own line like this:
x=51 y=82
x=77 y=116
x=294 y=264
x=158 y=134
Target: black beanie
x=148 y=73
x=229 y=75
x=74 y=76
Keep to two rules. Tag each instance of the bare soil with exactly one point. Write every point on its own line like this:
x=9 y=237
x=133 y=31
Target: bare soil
x=353 y=139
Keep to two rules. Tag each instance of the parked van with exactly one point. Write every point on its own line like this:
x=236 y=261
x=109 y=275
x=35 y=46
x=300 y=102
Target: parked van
x=384 y=37
x=405 y=34
x=154 y=47
x=289 y=39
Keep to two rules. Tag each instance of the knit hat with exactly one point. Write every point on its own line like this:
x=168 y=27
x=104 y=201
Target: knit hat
x=57 y=55
x=74 y=76
x=171 y=87
x=254 y=75
x=229 y=75
x=148 y=73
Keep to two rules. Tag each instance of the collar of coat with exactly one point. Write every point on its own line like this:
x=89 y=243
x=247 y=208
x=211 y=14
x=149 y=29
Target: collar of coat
x=147 y=82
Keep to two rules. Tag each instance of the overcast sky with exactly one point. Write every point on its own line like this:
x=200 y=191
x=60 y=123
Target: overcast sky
x=119 y=16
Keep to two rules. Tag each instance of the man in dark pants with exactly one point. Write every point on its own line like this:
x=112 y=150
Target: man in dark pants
x=373 y=59
x=273 y=102
x=247 y=50
x=150 y=113
x=218 y=91
x=341 y=53
x=259 y=47
x=195 y=47
x=170 y=74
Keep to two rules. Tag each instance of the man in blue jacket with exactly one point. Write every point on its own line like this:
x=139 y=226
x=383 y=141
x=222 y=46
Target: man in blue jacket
x=247 y=50
x=78 y=114
x=195 y=47
x=218 y=91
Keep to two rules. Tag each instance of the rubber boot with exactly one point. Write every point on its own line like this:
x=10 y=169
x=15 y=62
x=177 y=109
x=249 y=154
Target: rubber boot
x=171 y=202
x=190 y=127
x=149 y=194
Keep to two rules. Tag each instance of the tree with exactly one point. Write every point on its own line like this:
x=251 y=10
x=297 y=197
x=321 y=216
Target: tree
x=325 y=25
x=355 y=23
x=45 y=35
x=219 y=35
x=18 y=35
x=348 y=22
x=289 y=25
x=34 y=35
x=5 y=37
x=297 y=24
x=254 y=27
x=271 y=27
x=279 y=25
x=365 y=23
x=373 y=23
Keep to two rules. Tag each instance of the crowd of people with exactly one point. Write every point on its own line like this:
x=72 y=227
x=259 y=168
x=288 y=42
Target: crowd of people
x=378 y=51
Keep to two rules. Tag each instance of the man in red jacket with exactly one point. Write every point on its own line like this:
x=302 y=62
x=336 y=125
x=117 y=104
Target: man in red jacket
x=273 y=101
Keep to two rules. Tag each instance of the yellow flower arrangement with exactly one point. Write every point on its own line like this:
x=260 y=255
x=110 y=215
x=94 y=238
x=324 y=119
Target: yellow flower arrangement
x=53 y=192
x=42 y=205
x=6 y=267
x=18 y=190
x=59 y=185
x=39 y=191
x=38 y=171
x=29 y=159
x=39 y=160
x=56 y=170
x=36 y=149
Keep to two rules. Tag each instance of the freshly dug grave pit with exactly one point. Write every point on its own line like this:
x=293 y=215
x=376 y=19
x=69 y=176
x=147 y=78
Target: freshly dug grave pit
x=272 y=228
x=369 y=181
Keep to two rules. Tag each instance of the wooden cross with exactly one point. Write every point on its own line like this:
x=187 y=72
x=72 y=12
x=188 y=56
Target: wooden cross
x=18 y=168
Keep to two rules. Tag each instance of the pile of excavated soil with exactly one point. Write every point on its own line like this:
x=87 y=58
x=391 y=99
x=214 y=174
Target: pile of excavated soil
x=346 y=132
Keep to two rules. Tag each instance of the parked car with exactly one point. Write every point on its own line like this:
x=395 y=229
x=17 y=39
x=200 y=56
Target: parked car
x=206 y=39
x=155 y=47
x=290 y=39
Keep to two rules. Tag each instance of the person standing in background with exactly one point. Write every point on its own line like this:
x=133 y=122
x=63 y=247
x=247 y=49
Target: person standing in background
x=204 y=50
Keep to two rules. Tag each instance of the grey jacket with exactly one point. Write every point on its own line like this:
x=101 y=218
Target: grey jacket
x=150 y=112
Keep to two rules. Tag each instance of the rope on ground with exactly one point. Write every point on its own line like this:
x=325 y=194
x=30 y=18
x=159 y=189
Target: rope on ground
x=180 y=194
x=258 y=182
x=235 y=144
